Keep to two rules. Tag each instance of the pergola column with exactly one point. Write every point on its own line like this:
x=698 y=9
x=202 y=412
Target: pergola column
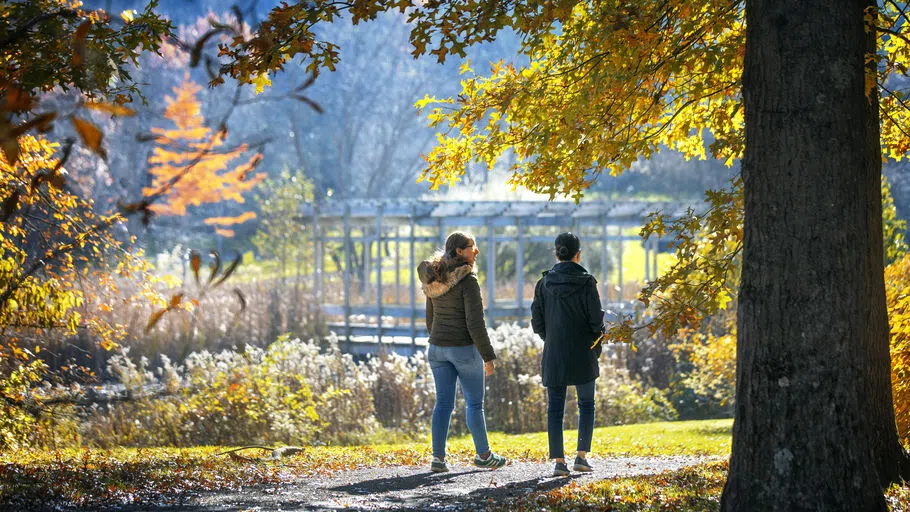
x=411 y=291
x=317 y=262
x=654 y=256
x=491 y=273
x=379 y=272
x=397 y=266
x=604 y=266
x=442 y=232
x=619 y=265
x=520 y=267
x=367 y=260
x=348 y=249
x=647 y=246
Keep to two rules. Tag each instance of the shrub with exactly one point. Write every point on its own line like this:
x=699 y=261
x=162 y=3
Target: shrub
x=288 y=393
x=296 y=392
x=517 y=401
x=403 y=391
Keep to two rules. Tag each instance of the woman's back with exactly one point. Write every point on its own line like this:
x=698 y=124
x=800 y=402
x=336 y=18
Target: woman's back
x=567 y=314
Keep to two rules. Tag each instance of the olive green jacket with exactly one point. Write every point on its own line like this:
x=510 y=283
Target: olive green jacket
x=455 y=310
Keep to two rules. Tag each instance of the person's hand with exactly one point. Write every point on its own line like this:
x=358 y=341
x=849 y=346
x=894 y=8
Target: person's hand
x=488 y=368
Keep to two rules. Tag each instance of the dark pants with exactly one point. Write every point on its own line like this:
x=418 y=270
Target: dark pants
x=556 y=411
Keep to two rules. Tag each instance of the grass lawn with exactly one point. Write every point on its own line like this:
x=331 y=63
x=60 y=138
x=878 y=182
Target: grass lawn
x=98 y=478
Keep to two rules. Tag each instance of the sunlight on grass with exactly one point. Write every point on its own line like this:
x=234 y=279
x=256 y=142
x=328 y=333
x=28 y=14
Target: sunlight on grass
x=709 y=437
x=704 y=437
x=695 y=488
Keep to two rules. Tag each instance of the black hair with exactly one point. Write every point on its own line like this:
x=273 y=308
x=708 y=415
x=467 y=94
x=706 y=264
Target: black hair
x=567 y=246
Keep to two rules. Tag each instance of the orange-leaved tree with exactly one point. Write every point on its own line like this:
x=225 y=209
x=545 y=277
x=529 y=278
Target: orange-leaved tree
x=897 y=281
x=191 y=168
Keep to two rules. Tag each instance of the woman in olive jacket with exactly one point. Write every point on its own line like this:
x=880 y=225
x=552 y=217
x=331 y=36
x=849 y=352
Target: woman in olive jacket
x=567 y=314
x=460 y=348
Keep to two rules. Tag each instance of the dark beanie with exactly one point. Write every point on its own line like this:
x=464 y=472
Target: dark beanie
x=567 y=246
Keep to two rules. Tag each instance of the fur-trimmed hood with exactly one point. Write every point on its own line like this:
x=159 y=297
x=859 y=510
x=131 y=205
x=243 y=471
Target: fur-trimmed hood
x=433 y=288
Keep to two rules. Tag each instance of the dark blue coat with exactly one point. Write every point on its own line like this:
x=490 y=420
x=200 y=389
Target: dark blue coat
x=567 y=314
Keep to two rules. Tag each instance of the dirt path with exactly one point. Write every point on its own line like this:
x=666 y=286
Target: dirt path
x=464 y=488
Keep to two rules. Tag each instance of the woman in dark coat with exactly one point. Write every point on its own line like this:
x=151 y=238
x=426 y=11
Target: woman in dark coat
x=567 y=314
x=460 y=349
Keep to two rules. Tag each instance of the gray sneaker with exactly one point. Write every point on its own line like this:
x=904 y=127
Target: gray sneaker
x=561 y=469
x=581 y=465
x=492 y=462
x=438 y=465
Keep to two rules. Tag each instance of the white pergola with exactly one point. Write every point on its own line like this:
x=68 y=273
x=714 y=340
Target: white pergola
x=413 y=222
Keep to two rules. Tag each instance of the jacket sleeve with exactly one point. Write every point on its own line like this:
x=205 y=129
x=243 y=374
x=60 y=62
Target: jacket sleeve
x=538 y=322
x=429 y=316
x=595 y=314
x=473 y=309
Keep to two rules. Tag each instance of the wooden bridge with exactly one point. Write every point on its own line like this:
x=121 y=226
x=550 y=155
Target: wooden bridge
x=377 y=237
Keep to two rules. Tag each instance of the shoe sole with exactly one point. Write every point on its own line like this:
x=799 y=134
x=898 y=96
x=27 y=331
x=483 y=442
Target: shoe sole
x=439 y=470
x=583 y=469
x=560 y=473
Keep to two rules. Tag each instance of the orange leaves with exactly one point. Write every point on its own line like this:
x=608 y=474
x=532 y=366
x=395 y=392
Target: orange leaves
x=16 y=100
x=189 y=165
x=230 y=221
x=91 y=135
x=111 y=108
x=173 y=304
x=153 y=320
x=10 y=147
x=897 y=290
x=195 y=264
x=10 y=134
x=79 y=43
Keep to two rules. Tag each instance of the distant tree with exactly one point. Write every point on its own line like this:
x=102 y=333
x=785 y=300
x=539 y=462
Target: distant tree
x=280 y=235
x=189 y=167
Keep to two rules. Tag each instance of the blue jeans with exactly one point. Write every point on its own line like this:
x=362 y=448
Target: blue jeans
x=451 y=364
x=556 y=411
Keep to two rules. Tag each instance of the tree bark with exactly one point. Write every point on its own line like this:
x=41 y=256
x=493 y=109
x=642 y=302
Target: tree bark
x=814 y=425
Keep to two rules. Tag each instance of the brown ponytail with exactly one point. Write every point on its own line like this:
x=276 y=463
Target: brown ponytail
x=444 y=261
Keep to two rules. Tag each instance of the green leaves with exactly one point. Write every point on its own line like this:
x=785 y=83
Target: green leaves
x=49 y=43
x=704 y=276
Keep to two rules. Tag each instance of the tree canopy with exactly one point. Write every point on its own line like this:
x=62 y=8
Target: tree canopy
x=608 y=83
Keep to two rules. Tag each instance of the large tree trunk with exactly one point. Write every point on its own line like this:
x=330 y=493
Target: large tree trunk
x=814 y=428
